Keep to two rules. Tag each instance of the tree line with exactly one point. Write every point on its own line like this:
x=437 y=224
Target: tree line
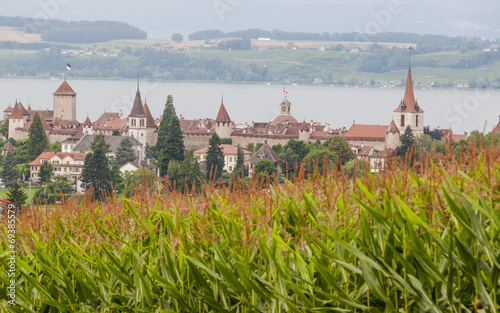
x=393 y=37
x=75 y=31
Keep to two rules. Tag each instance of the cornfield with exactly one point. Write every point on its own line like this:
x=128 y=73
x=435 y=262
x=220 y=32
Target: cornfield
x=420 y=238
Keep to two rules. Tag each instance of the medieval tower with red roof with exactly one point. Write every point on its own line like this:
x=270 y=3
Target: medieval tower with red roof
x=65 y=102
x=409 y=112
x=223 y=124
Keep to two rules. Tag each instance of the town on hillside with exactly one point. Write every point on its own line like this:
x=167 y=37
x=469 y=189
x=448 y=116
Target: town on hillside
x=372 y=143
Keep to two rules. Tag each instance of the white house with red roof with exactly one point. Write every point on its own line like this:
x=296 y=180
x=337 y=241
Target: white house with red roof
x=69 y=165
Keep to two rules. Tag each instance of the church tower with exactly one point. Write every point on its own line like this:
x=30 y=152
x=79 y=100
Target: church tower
x=223 y=126
x=409 y=112
x=137 y=122
x=65 y=102
x=285 y=107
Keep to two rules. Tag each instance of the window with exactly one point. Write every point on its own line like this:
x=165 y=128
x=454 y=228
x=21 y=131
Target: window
x=67 y=162
x=402 y=121
x=230 y=159
x=57 y=169
x=416 y=124
x=133 y=122
x=142 y=122
x=55 y=162
x=230 y=168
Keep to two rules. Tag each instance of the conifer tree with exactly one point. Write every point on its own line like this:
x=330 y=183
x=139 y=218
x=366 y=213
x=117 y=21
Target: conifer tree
x=164 y=128
x=125 y=152
x=406 y=141
x=215 y=159
x=17 y=197
x=174 y=144
x=97 y=170
x=37 y=142
x=10 y=172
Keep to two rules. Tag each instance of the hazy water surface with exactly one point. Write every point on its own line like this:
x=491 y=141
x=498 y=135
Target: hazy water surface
x=463 y=110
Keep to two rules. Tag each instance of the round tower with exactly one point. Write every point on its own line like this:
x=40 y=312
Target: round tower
x=392 y=136
x=304 y=134
x=223 y=124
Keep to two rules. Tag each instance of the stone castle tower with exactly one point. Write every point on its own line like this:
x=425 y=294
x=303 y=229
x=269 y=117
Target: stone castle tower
x=17 y=119
x=392 y=137
x=137 y=121
x=65 y=102
x=409 y=112
x=223 y=124
x=304 y=134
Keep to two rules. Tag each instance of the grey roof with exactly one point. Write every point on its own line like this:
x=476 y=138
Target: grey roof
x=265 y=152
x=113 y=141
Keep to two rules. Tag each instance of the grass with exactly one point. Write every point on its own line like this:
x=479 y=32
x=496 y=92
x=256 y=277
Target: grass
x=420 y=238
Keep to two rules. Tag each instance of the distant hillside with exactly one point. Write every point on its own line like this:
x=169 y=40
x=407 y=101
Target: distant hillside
x=440 y=40
x=75 y=31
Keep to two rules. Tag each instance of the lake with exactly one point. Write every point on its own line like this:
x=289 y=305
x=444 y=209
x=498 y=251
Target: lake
x=462 y=110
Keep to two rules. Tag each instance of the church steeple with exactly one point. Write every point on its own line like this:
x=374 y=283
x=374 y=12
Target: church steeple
x=137 y=109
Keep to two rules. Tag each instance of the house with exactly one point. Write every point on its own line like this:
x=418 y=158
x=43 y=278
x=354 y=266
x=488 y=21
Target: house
x=230 y=155
x=496 y=130
x=378 y=160
x=8 y=147
x=114 y=141
x=69 y=165
x=363 y=152
x=264 y=153
x=133 y=166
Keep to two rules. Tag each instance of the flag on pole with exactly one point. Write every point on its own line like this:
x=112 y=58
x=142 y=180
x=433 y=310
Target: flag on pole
x=68 y=67
x=284 y=90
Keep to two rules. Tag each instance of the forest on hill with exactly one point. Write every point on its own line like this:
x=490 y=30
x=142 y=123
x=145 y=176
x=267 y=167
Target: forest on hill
x=75 y=31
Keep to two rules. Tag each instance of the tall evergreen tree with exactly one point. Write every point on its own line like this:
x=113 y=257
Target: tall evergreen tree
x=406 y=141
x=215 y=159
x=174 y=144
x=10 y=172
x=46 y=172
x=240 y=158
x=37 y=142
x=17 y=197
x=164 y=128
x=97 y=168
x=125 y=152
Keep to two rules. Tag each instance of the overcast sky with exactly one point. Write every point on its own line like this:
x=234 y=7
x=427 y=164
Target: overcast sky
x=163 y=17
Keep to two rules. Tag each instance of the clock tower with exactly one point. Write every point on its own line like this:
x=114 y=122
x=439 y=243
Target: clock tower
x=285 y=107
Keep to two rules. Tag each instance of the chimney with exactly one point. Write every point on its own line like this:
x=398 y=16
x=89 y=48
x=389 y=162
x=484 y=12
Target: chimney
x=148 y=161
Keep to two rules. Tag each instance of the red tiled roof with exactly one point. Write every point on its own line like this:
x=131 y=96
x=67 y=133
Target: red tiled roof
x=303 y=126
x=496 y=130
x=226 y=149
x=8 y=147
x=115 y=124
x=61 y=155
x=87 y=122
x=265 y=152
x=456 y=138
x=150 y=121
x=16 y=113
x=9 y=109
x=46 y=115
x=366 y=132
x=65 y=89
x=137 y=109
x=284 y=118
x=223 y=116
x=393 y=128
x=409 y=98
x=106 y=117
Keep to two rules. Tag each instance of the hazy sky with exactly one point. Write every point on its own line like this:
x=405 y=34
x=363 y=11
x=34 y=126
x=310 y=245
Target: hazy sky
x=163 y=17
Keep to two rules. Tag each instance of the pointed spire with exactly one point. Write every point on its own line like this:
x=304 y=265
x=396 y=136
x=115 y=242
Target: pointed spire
x=137 y=109
x=409 y=104
x=87 y=122
x=150 y=121
x=223 y=116
x=303 y=126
